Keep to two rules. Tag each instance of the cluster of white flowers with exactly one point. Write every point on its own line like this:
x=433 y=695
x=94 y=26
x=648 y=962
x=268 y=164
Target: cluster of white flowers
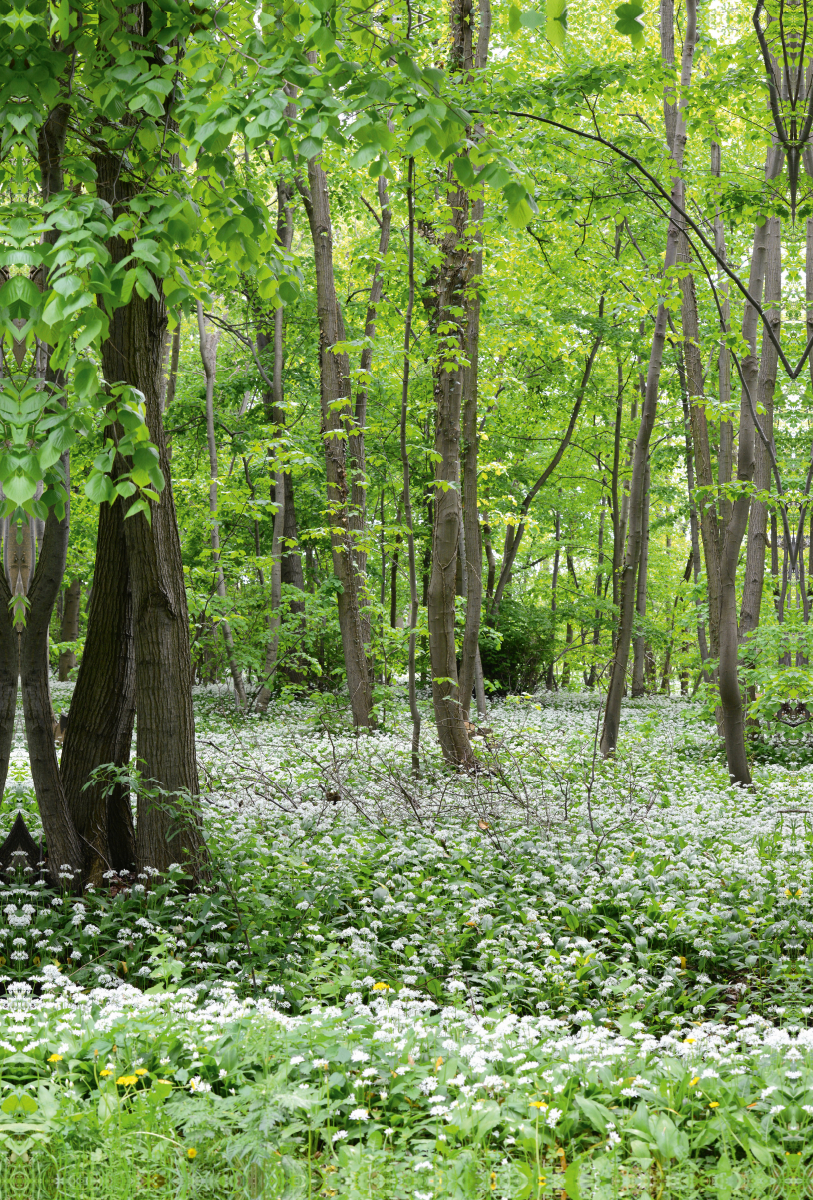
x=698 y=874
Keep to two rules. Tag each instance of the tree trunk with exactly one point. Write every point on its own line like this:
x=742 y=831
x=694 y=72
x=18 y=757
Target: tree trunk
x=209 y=339
x=472 y=541
x=730 y=695
x=694 y=532
x=441 y=607
x=70 y=627
x=405 y=484
x=168 y=825
x=550 y=679
x=758 y=517
x=394 y=576
x=64 y=847
x=337 y=417
x=291 y=561
x=619 y=522
x=591 y=678
x=170 y=378
x=275 y=616
x=639 y=648
x=709 y=525
x=492 y=563
x=612 y=713
x=100 y=728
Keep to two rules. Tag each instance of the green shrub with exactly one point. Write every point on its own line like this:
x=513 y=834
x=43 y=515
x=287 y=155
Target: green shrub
x=515 y=653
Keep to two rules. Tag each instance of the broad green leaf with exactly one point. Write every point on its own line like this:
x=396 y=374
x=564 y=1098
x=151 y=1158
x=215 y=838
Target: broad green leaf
x=19 y=487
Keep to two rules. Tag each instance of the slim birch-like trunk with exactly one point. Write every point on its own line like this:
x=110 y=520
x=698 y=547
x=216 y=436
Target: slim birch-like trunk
x=209 y=339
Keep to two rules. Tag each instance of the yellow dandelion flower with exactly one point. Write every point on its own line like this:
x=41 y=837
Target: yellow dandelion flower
x=191 y=1152
x=714 y=1104
x=141 y=1071
x=55 y=1058
x=127 y=1080
x=688 y=1040
x=692 y=1082
x=106 y=1072
x=381 y=987
x=538 y=1104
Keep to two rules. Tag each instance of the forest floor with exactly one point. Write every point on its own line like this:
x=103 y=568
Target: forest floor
x=551 y=977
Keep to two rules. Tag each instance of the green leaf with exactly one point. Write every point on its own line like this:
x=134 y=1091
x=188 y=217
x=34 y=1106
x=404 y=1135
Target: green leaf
x=666 y=1136
x=571 y=1181
x=139 y=506
x=761 y=1153
x=94 y=325
x=628 y=23
x=108 y=1106
x=19 y=487
x=85 y=380
x=597 y=1114
x=99 y=488
x=514 y=19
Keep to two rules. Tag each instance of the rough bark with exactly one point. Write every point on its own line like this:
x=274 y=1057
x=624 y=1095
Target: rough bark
x=612 y=712
x=337 y=416
x=100 y=728
x=168 y=825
